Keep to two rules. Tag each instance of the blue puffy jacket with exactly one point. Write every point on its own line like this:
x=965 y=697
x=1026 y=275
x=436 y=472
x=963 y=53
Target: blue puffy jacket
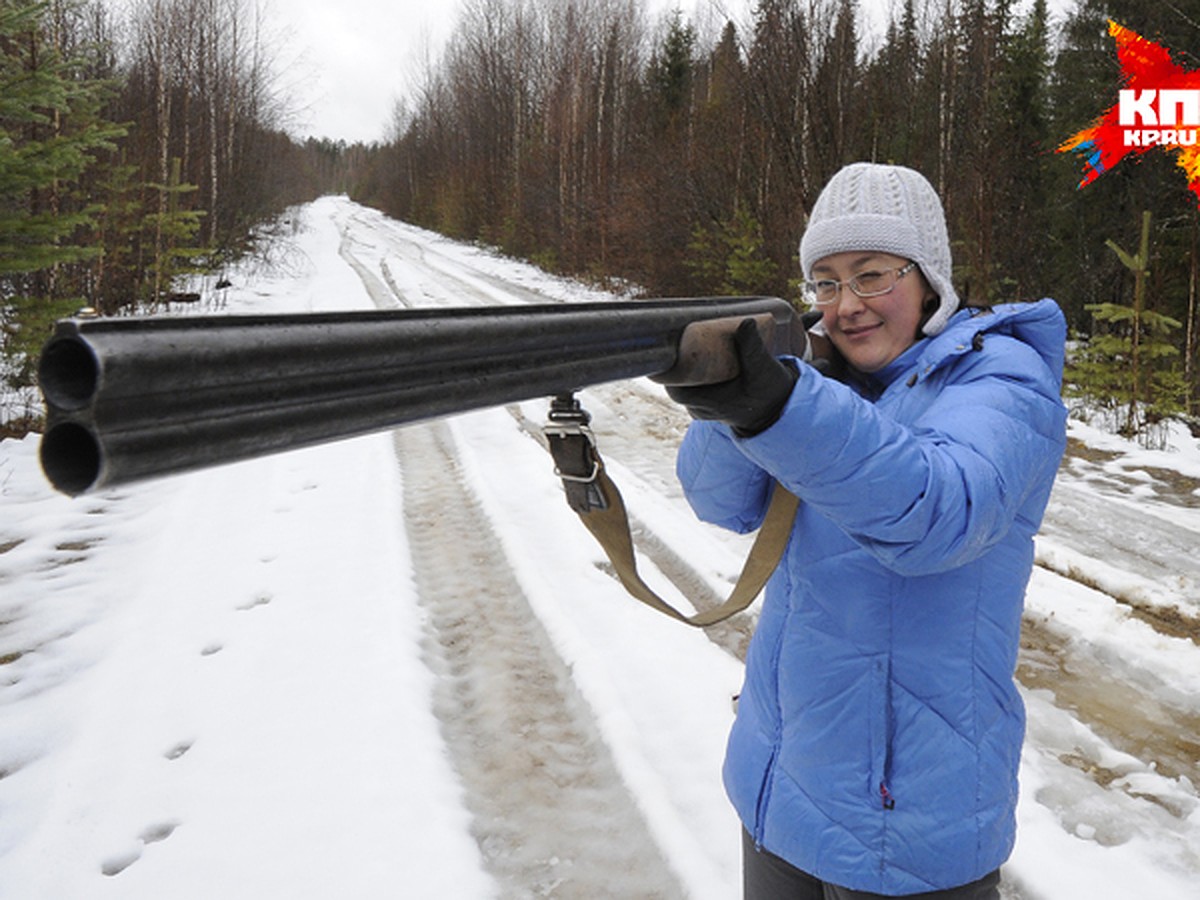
x=879 y=730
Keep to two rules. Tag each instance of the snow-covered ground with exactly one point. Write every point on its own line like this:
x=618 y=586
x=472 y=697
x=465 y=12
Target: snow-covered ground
x=397 y=667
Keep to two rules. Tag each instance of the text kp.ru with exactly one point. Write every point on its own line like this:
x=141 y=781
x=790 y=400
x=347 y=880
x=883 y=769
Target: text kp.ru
x=1165 y=117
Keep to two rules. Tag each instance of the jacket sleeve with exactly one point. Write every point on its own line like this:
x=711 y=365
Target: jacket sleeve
x=934 y=494
x=723 y=485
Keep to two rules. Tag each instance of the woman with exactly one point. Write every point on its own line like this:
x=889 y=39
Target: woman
x=878 y=734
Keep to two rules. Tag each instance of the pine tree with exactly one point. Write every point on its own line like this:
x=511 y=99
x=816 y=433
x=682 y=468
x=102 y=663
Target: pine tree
x=671 y=70
x=51 y=133
x=729 y=258
x=174 y=230
x=1125 y=368
x=1021 y=197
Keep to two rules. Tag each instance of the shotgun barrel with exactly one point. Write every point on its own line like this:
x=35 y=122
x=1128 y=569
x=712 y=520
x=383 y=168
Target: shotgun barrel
x=133 y=398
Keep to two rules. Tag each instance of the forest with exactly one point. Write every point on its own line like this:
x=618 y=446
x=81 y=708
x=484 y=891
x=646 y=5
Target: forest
x=658 y=155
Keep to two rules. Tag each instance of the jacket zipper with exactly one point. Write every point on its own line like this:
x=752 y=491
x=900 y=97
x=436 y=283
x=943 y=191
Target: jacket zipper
x=886 y=799
x=889 y=802
x=764 y=790
x=764 y=793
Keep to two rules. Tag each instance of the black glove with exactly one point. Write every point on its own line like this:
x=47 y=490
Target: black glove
x=752 y=400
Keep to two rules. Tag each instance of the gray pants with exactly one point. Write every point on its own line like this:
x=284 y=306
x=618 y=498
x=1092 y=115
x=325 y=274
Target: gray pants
x=767 y=877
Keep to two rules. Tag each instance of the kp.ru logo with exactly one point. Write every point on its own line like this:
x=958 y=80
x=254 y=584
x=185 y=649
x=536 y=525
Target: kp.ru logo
x=1160 y=107
x=1173 y=115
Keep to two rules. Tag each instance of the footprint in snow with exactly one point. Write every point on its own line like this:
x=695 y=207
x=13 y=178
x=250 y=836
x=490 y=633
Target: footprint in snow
x=178 y=750
x=115 y=865
x=259 y=600
x=151 y=834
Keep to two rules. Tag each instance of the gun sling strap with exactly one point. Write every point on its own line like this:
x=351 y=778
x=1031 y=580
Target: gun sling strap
x=592 y=494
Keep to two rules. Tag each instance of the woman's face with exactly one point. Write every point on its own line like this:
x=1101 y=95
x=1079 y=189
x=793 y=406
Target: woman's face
x=870 y=332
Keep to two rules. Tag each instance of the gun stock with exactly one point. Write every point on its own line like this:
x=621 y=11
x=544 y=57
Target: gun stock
x=131 y=398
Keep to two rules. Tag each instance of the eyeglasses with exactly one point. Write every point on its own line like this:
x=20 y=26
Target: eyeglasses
x=871 y=283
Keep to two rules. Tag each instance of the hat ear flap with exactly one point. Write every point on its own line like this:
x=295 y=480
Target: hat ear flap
x=929 y=306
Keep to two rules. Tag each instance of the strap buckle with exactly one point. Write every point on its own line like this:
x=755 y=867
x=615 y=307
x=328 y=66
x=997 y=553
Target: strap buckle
x=573 y=447
x=591 y=494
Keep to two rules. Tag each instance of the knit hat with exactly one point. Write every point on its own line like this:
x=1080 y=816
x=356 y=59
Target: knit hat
x=890 y=209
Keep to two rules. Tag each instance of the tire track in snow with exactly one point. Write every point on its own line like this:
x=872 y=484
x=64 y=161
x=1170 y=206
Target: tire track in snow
x=382 y=292
x=1124 y=533
x=454 y=280
x=551 y=814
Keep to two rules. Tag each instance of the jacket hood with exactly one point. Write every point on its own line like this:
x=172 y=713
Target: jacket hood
x=1039 y=324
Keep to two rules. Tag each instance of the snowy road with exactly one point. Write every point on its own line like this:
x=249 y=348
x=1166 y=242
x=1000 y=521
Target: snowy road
x=556 y=739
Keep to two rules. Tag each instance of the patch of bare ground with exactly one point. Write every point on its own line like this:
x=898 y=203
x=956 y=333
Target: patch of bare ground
x=1132 y=720
x=1168 y=485
x=1167 y=620
x=1079 y=450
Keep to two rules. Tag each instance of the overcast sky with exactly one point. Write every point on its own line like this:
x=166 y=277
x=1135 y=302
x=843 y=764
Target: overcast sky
x=347 y=61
